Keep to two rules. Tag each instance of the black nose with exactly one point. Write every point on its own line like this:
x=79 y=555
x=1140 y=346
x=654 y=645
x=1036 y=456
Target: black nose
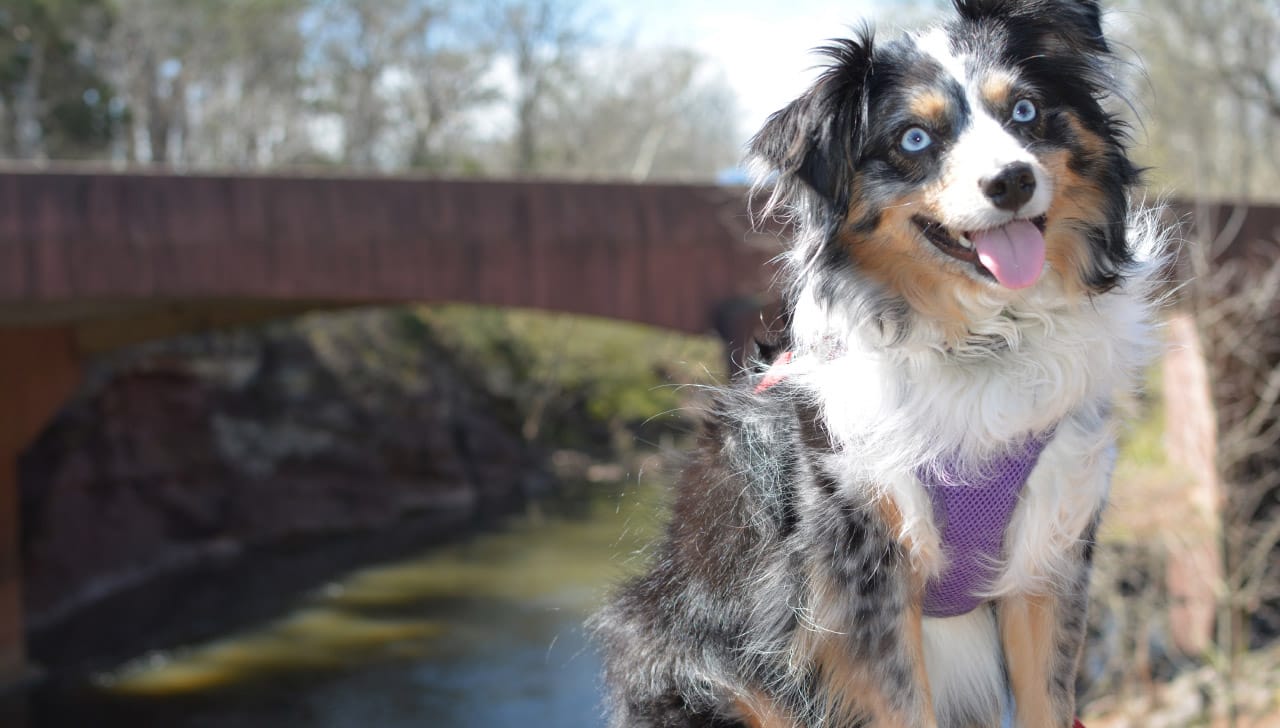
x=1011 y=188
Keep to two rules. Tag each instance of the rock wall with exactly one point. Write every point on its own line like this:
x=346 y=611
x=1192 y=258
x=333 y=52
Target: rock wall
x=184 y=451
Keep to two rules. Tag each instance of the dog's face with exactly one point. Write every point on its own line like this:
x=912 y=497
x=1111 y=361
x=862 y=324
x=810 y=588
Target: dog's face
x=974 y=159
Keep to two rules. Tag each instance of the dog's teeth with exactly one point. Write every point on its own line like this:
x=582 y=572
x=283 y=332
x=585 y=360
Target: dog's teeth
x=964 y=243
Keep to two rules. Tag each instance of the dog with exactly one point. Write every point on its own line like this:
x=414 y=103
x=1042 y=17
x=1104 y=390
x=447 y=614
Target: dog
x=891 y=525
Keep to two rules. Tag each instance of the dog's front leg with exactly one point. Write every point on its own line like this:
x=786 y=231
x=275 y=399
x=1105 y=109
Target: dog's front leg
x=885 y=686
x=1043 y=637
x=1027 y=626
x=921 y=712
x=865 y=634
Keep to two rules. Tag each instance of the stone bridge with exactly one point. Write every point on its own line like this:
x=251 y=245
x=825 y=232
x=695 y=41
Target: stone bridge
x=92 y=261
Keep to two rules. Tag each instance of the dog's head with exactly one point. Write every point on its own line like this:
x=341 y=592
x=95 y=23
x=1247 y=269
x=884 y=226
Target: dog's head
x=968 y=162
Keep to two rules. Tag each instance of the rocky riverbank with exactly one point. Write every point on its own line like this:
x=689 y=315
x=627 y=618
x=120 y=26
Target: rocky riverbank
x=186 y=453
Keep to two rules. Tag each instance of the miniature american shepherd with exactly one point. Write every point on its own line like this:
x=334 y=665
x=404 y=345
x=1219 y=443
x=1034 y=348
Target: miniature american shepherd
x=889 y=524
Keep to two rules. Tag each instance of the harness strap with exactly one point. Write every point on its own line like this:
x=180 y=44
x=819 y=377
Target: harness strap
x=773 y=376
x=972 y=508
x=973 y=505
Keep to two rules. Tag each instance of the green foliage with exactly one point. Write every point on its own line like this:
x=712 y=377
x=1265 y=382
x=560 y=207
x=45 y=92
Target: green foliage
x=49 y=77
x=1142 y=440
x=387 y=85
x=576 y=381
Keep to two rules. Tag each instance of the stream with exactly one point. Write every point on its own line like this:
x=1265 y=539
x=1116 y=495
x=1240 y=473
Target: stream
x=479 y=632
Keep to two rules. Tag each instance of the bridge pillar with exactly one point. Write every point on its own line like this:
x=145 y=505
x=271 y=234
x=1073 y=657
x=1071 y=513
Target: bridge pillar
x=38 y=370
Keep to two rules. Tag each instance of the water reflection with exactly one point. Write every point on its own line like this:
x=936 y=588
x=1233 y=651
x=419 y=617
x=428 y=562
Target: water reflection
x=486 y=632
x=313 y=639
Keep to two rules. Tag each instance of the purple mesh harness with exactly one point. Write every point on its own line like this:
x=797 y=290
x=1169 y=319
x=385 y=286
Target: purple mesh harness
x=972 y=509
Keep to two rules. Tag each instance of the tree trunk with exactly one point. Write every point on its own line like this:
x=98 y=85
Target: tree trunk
x=28 y=132
x=526 y=137
x=157 y=121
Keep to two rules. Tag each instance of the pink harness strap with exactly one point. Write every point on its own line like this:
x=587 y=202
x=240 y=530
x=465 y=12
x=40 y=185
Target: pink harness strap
x=772 y=376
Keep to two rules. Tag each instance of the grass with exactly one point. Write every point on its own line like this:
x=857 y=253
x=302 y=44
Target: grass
x=1150 y=494
x=563 y=372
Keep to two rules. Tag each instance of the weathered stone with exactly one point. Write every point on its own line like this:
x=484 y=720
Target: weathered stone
x=182 y=452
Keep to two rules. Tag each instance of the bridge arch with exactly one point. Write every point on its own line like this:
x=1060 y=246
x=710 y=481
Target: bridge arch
x=157 y=251
x=91 y=261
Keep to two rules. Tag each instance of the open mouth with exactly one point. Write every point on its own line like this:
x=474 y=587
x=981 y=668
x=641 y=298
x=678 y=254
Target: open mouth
x=1011 y=255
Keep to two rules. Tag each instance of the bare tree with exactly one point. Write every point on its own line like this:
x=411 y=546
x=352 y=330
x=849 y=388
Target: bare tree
x=544 y=40
x=146 y=53
x=1210 y=92
x=437 y=97
x=398 y=77
x=208 y=83
x=53 y=100
x=657 y=113
x=249 y=107
x=1234 y=298
x=392 y=84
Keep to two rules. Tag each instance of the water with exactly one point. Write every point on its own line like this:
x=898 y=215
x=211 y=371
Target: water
x=485 y=632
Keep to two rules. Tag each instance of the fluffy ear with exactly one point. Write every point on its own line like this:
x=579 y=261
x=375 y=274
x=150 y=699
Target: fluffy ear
x=816 y=139
x=1077 y=24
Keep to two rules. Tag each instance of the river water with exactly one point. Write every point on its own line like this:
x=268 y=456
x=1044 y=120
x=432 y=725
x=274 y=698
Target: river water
x=481 y=632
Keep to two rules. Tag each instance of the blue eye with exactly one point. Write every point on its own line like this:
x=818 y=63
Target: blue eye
x=1024 y=111
x=916 y=139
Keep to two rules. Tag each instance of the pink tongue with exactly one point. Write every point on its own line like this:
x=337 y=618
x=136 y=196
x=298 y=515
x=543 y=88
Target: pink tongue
x=1014 y=253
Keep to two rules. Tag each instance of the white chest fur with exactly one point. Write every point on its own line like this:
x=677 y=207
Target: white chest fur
x=1040 y=367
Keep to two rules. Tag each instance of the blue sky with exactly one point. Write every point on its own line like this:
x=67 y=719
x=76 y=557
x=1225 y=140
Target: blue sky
x=762 y=47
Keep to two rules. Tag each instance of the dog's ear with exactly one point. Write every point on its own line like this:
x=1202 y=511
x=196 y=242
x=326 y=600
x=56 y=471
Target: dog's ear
x=1071 y=24
x=817 y=138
